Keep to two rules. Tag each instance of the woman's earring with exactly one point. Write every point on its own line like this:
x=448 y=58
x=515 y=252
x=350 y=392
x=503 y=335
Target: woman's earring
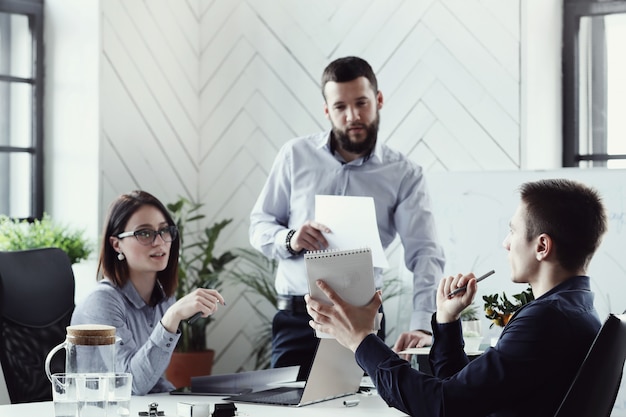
x=121 y=256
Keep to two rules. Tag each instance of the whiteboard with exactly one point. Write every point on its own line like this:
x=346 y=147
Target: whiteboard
x=473 y=209
x=472 y=212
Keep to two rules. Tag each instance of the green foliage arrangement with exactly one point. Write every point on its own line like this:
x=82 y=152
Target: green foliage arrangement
x=499 y=309
x=198 y=266
x=256 y=273
x=22 y=234
x=469 y=313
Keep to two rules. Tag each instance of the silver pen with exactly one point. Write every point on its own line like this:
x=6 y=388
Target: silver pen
x=463 y=288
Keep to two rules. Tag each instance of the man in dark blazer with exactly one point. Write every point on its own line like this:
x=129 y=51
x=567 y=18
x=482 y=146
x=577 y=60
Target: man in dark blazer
x=553 y=234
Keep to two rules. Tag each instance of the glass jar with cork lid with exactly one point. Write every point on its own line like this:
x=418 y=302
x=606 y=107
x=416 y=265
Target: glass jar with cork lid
x=89 y=348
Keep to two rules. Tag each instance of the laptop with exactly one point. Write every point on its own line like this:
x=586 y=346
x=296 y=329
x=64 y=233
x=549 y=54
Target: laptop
x=238 y=383
x=334 y=373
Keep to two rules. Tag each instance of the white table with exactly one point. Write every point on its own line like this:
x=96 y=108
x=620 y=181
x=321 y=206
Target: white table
x=369 y=405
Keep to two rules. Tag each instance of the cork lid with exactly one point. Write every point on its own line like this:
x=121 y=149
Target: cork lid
x=91 y=334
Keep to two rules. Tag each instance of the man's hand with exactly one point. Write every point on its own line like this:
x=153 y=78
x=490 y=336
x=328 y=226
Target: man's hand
x=412 y=339
x=347 y=323
x=310 y=237
x=449 y=309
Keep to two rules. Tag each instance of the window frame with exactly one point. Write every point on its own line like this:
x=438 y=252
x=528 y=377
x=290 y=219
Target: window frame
x=573 y=11
x=33 y=9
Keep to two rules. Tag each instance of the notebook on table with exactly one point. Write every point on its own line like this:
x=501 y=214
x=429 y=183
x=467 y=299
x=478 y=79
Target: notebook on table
x=334 y=374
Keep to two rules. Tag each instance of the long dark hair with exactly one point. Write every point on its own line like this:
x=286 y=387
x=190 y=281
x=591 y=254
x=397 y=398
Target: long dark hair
x=120 y=212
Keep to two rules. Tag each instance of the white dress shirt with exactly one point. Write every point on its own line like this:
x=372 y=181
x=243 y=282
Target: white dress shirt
x=305 y=167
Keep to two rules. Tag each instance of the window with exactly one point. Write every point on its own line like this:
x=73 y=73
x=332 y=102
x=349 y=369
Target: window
x=21 y=108
x=594 y=83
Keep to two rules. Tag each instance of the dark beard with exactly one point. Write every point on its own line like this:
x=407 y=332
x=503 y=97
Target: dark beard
x=360 y=148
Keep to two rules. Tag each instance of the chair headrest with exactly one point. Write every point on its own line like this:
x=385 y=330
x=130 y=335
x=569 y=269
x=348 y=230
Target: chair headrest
x=36 y=286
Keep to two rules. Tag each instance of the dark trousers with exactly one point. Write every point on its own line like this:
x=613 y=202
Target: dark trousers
x=294 y=341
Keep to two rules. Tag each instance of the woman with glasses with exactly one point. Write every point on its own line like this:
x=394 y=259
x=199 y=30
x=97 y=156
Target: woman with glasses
x=137 y=274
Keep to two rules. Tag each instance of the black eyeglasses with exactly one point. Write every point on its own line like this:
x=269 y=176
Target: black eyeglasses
x=148 y=236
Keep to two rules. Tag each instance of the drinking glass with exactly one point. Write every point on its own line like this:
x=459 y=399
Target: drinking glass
x=64 y=395
x=120 y=390
x=92 y=392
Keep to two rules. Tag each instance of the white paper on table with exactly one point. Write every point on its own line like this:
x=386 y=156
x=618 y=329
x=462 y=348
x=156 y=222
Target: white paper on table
x=352 y=221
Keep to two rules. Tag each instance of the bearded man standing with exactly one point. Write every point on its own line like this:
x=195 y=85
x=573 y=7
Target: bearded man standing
x=348 y=160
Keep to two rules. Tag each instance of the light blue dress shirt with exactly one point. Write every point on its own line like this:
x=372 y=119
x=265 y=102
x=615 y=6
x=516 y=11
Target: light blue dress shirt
x=305 y=167
x=146 y=347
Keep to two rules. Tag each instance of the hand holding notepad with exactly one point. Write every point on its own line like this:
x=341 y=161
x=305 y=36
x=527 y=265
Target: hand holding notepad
x=349 y=273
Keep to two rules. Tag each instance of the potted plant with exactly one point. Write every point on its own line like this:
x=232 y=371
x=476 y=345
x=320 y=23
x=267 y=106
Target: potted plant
x=198 y=266
x=471 y=327
x=256 y=273
x=499 y=309
x=22 y=234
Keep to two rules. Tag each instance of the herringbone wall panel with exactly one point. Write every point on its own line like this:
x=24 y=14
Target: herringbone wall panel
x=198 y=95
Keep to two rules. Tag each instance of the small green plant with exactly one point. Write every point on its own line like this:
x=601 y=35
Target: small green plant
x=198 y=266
x=44 y=233
x=469 y=313
x=257 y=272
x=499 y=309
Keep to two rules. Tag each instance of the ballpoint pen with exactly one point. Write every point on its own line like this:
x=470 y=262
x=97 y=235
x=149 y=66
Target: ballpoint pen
x=195 y=317
x=463 y=288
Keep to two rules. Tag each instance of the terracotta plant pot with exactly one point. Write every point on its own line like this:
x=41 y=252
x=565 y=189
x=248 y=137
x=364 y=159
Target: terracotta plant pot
x=184 y=365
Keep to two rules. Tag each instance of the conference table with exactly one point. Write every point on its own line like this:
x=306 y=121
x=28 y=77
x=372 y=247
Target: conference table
x=370 y=404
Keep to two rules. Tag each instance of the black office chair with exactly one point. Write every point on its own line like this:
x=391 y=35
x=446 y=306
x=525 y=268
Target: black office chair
x=594 y=389
x=36 y=305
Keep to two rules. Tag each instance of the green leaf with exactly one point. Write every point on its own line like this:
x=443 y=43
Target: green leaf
x=198 y=265
x=44 y=233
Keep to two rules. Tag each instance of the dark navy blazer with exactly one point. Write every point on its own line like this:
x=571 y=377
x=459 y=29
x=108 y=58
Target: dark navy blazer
x=526 y=374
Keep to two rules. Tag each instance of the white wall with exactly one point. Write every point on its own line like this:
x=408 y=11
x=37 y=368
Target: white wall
x=194 y=98
x=72 y=120
x=541 y=84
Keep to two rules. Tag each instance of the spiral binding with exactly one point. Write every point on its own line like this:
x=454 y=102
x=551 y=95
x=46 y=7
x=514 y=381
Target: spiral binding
x=329 y=253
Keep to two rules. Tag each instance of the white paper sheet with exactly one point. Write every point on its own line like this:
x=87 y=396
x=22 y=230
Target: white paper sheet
x=352 y=221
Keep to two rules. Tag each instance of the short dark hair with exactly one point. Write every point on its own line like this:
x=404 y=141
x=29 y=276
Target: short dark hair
x=346 y=69
x=120 y=211
x=571 y=213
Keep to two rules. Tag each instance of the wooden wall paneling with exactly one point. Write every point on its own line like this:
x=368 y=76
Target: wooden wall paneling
x=399 y=106
x=208 y=90
x=139 y=127
x=166 y=67
x=272 y=128
x=482 y=25
x=406 y=59
x=470 y=135
x=504 y=87
x=187 y=18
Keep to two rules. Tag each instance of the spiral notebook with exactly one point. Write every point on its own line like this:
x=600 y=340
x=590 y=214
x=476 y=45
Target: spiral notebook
x=350 y=273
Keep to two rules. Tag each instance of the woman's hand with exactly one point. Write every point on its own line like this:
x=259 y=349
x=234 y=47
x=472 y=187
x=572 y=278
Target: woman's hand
x=202 y=300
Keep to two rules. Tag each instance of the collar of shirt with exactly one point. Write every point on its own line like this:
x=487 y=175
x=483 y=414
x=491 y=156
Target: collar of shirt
x=131 y=293
x=376 y=155
x=576 y=283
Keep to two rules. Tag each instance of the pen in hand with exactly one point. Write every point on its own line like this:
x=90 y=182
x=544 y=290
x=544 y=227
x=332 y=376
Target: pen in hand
x=191 y=320
x=194 y=318
x=463 y=288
